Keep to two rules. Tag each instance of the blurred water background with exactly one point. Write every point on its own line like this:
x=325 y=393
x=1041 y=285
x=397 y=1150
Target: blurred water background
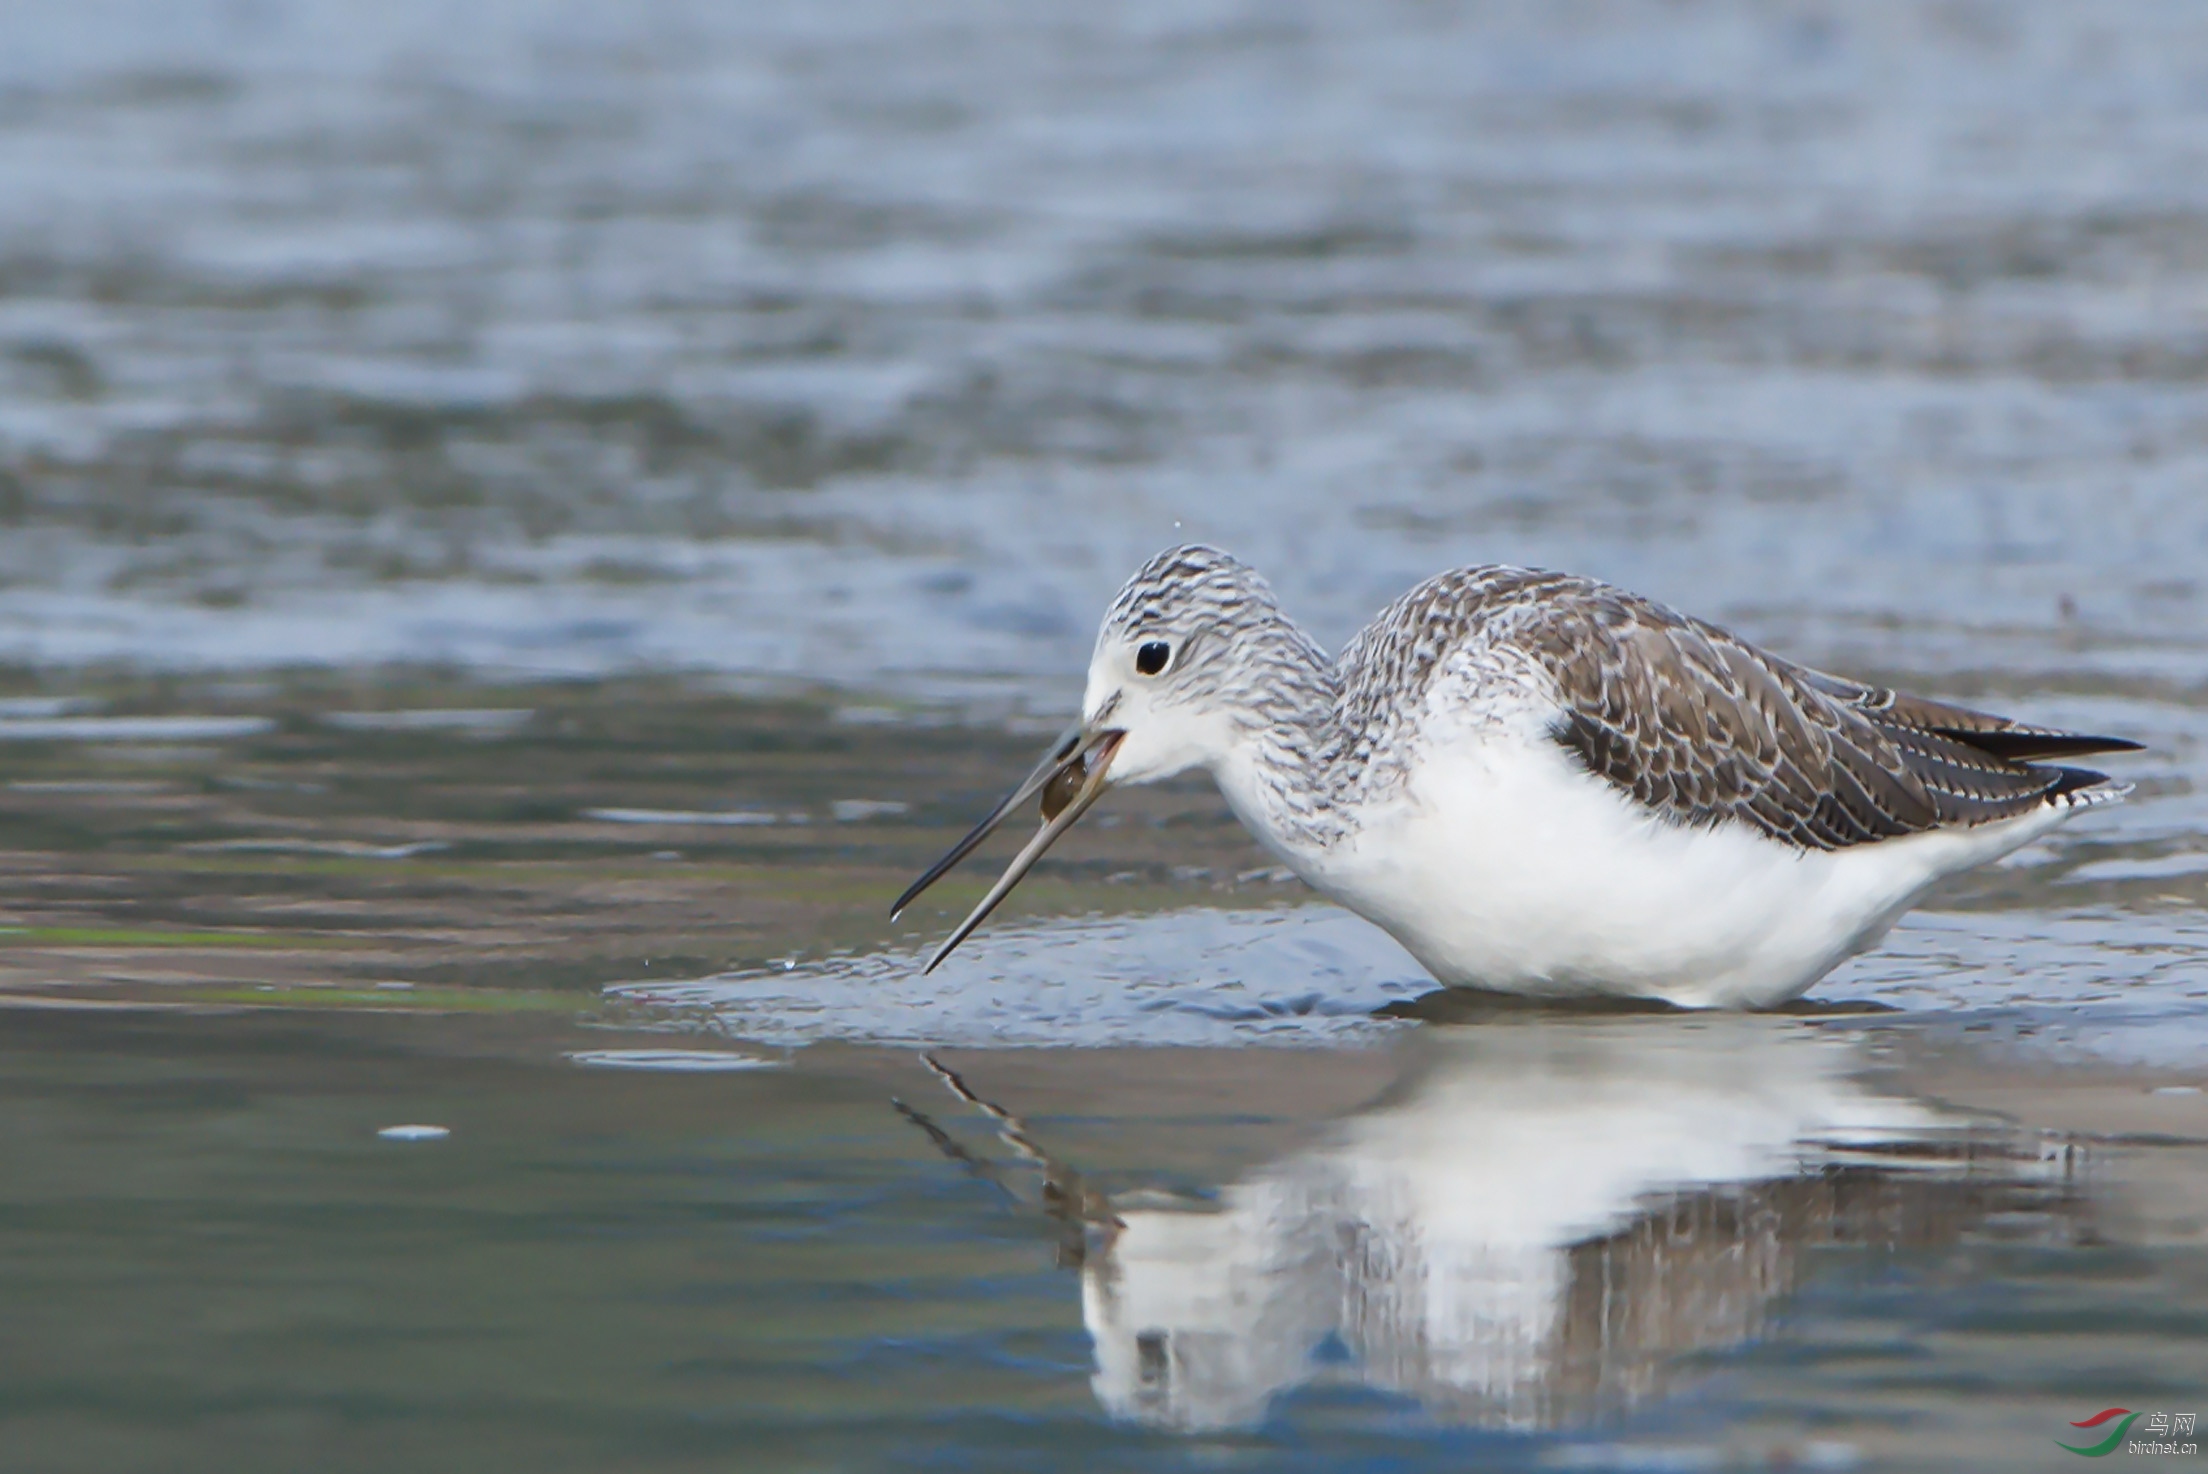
x=875 y=345
x=522 y=525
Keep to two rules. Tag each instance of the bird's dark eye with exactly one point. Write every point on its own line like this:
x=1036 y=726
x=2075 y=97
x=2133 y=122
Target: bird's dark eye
x=1151 y=658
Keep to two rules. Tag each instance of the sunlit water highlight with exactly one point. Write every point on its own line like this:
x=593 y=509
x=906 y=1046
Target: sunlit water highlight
x=1284 y=976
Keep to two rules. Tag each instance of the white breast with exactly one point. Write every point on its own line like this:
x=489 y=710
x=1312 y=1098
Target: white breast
x=1503 y=864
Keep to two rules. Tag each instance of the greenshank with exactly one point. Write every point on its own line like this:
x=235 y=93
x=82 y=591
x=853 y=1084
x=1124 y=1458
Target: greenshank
x=1543 y=785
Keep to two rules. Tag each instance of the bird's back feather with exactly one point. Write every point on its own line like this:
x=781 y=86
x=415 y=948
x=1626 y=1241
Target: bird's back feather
x=1703 y=728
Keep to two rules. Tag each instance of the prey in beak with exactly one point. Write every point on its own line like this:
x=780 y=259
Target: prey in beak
x=1070 y=778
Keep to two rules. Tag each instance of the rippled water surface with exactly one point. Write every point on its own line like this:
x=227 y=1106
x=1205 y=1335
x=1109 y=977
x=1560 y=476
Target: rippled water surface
x=878 y=344
x=522 y=528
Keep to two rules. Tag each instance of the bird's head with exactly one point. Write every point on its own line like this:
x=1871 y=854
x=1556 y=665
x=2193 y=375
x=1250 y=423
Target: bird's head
x=1178 y=677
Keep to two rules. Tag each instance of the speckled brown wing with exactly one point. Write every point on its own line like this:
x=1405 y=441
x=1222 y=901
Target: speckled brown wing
x=1705 y=729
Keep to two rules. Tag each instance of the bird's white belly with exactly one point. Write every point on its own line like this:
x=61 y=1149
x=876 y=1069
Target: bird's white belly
x=1504 y=865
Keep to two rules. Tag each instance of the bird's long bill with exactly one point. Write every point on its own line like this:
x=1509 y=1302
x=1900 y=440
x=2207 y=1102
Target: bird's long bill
x=1066 y=756
x=1061 y=752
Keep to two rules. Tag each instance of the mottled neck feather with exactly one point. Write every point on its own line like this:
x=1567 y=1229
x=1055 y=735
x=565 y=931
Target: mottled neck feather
x=1289 y=766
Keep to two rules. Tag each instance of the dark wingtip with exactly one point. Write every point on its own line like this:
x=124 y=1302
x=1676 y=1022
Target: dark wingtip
x=2027 y=746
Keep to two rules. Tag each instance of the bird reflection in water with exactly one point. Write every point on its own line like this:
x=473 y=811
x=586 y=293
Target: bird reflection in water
x=1534 y=1227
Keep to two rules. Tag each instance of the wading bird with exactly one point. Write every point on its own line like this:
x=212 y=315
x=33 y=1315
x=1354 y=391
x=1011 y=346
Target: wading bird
x=1543 y=785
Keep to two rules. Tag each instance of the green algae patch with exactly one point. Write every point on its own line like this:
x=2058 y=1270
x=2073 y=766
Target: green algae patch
x=414 y=999
x=116 y=936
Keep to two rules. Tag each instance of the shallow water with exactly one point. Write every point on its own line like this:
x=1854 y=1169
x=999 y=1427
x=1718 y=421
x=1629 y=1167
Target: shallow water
x=1137 y=1180
x=1531 y=1246
x=520 y=530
